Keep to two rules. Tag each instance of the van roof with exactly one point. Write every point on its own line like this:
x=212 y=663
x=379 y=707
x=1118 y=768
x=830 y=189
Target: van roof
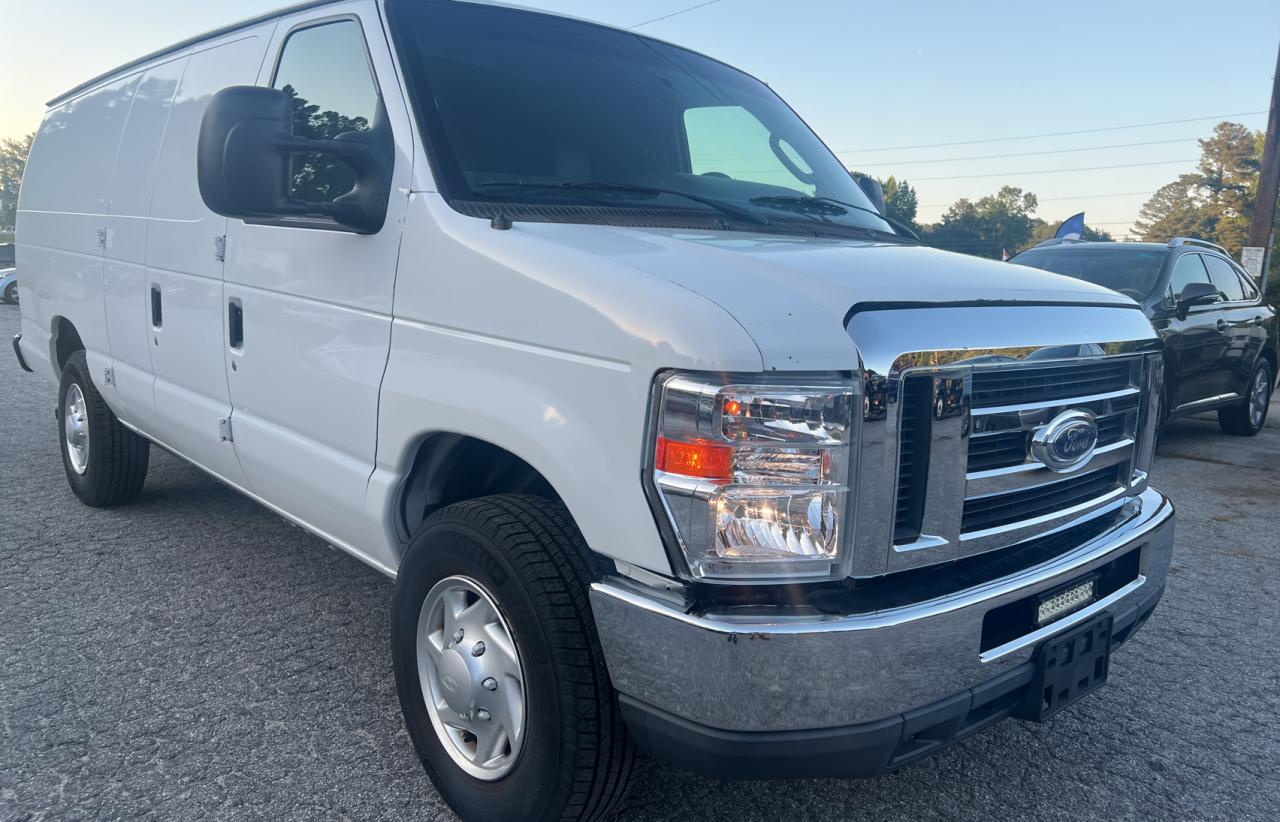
x=190 y=41
x=253 y=21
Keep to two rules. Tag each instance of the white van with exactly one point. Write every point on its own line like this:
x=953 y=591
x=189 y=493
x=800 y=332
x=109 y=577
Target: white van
x=665 y=434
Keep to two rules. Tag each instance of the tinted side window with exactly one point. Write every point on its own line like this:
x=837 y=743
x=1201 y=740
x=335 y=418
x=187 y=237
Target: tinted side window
x=325 y=70
x=1224 y=277
x=1250 y=286
x=1188 y=269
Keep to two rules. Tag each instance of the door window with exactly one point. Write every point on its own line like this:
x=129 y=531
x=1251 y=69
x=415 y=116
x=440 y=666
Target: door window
x=325 y=71
x=1246 y=281
x=1187 y=270
x=1224 y=277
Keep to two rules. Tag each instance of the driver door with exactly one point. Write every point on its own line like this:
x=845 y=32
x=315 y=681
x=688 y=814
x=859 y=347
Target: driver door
x=308 y=302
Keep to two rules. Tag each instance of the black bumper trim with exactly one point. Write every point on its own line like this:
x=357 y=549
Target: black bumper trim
x=865 y=750
x=17 y=351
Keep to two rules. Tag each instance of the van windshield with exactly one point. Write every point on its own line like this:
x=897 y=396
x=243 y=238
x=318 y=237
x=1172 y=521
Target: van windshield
x=529 y=110
x=1132 y=272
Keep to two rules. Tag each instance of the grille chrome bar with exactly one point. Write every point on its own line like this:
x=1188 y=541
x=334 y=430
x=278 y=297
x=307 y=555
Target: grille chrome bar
x=1030 y=475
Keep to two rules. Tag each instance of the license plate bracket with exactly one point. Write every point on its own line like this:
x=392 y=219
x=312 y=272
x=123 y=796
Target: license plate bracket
x=1069 y=667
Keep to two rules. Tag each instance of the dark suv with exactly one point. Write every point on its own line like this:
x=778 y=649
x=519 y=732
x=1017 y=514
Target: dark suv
x=1220 y=340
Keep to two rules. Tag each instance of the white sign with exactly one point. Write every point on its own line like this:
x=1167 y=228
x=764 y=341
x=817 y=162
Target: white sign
x=1251 y=259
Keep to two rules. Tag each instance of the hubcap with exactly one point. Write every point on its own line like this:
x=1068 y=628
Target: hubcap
x=1258 y=398
x=76 y=429
x=472 y=680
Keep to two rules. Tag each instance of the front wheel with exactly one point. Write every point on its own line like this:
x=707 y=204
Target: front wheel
x=1247 y=418
x=105 y=462
x=11 y=293
x=499 y=669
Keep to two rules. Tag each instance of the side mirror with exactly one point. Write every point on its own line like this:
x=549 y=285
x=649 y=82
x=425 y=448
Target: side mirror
x=875 y=192
x=244 y=169
x=1196 y=294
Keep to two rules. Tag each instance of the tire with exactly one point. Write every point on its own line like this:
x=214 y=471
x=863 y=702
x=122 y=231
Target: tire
x=575 y=757
x=11 y=293
x=111 y=465
x=1249 y=417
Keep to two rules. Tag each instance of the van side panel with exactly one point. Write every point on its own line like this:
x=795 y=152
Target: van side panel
x=187 y=351
x=64 y=200
x=124 y=276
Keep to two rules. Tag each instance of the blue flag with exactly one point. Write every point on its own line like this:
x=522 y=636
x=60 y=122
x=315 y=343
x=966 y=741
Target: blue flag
x=1072 y=228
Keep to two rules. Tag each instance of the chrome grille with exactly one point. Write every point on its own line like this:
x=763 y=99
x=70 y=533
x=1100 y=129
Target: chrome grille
x=947 y=431
x=1018 y=386
x=984 y=513
x=1009 y=448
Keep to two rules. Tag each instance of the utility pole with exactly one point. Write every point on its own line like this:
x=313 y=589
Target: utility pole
x=1264 y=208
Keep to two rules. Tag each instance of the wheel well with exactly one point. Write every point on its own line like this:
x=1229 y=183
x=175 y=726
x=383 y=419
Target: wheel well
x=449 y=468
x=66 y=341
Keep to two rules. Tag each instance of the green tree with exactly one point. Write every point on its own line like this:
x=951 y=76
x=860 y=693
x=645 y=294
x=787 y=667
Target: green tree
x=1215 y=202
x=900 y=201
x=13 y=162
x=996 y=223
x=1176 y=210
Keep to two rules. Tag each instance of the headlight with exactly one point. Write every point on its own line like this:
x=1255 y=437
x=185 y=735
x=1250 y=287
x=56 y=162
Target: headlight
x=753 y=475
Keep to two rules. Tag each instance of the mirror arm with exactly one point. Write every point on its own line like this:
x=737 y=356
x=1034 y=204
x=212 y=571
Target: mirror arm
x=343 y=149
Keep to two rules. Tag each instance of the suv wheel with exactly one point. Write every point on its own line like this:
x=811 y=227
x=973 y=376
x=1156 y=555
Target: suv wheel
x=1247 y=418
x=499 y=669
x=105 y=462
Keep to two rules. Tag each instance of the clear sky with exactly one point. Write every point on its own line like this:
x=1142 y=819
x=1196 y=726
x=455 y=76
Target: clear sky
x=871 y=78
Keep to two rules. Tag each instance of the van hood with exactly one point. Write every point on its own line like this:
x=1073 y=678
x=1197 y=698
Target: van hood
x=794 y=295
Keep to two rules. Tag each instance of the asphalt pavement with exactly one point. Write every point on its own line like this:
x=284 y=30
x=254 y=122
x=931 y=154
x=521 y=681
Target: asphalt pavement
x=194 y=656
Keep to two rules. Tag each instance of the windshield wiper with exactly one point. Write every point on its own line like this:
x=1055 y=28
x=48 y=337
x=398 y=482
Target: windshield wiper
x=821 y=207
x=725 y=208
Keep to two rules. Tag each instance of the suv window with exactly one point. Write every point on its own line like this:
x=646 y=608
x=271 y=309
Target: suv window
x=1188 y=269
x=325 y=70
x=1132 y=272
x=1225 y=278
x=1247 y=282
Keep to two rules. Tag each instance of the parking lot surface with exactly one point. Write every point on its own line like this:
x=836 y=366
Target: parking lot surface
x=194 y=656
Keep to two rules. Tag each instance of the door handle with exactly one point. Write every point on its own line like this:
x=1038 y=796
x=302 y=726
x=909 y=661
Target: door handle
x=157 y=308
x=1222 y=325
x=235 y=325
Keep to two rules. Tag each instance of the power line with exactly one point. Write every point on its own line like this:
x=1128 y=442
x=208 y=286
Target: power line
x=1054 y=133
x=674 y=14
x=1051 y=171
x=1064 y=199
x=1028 y=153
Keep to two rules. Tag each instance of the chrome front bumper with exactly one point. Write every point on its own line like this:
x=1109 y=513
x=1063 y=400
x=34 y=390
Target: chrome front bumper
x=737 y=674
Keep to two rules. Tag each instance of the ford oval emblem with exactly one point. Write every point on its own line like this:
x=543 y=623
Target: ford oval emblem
x=1067 y=442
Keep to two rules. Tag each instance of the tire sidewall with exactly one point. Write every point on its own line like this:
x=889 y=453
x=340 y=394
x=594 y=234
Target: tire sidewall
x=11 y=294
x=1263 y=366
x=456 y=548
x=76 y=372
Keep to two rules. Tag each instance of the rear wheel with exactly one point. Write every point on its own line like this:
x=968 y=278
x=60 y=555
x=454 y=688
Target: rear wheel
x=499 y=669
x=105 y=462
x=11 y=293
x=1247 y=418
